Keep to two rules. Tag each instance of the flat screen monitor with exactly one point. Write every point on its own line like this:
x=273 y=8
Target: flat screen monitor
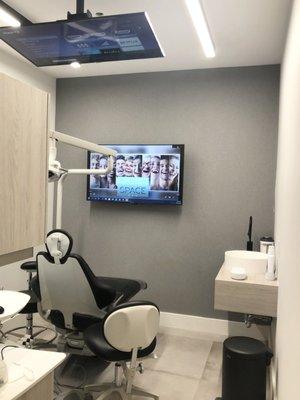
x=108 y=38
x=151 y=174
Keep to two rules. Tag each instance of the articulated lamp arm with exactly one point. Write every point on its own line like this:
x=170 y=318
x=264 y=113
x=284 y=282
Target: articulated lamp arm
x=56 y=172
x=82 y=144
x=54 y=165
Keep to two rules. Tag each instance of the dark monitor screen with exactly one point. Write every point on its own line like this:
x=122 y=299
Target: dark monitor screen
x=141 y=174
x=108 y=38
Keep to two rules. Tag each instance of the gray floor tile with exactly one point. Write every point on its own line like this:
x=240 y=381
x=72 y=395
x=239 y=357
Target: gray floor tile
x=188 y=368
x=210 y=385
x=179 y=355
x=168 y=386
x=193 y=334
x=208 y=391
x=213 y=368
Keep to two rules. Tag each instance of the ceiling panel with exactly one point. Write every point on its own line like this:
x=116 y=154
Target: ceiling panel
x=245 y=32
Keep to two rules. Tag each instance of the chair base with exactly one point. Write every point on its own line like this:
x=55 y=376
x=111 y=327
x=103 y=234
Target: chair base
x=123 y=382
x=30 y=339
x=124 y=387
x=107 y=389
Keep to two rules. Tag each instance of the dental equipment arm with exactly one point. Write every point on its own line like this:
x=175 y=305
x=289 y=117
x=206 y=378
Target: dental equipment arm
x=82 y=144
x=55 y=166
x=57 y=172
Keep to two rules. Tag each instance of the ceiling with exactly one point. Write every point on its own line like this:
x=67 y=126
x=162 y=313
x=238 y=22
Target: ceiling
x=245 y=32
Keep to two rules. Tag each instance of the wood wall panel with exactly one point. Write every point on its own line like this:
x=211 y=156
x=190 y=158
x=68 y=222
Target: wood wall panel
x=23 y=165
x=16 y=256
x=255 y=295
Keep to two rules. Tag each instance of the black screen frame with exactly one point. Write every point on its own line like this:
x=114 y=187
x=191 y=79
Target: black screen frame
x=141 y=202
x=89 y=59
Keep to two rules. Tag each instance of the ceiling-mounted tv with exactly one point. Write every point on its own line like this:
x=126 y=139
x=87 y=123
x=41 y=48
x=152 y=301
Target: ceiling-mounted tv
x=107 y=38
x=151 y=174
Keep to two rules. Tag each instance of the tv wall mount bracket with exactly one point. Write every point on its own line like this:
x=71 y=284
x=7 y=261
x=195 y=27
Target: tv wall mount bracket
x=79 y=15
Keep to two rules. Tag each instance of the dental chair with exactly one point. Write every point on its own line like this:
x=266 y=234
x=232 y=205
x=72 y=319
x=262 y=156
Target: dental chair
x=69 y=295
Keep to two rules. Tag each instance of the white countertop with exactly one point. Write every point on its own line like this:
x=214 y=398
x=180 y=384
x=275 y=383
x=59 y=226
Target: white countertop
x=255 y=279
x=26 y=368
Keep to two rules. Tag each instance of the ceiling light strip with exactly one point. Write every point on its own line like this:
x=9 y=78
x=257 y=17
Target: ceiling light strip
x=197 y=14
x=156 y=37
x=8 y=13
x=8 y=19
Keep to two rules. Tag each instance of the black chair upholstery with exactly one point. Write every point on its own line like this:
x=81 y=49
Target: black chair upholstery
x=116 y=288
x=127 y=288
x=31 y=306
x=96 y=342
x=29 y=266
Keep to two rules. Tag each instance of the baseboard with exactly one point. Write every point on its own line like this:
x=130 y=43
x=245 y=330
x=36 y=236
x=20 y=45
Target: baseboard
x=190 y=325
x=218 y=328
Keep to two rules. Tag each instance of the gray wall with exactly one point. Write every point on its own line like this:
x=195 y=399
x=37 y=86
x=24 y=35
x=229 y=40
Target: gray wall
x=227 y=119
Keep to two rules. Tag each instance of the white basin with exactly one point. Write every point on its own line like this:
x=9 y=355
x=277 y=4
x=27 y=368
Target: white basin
x=12 y=302
x=253 y=261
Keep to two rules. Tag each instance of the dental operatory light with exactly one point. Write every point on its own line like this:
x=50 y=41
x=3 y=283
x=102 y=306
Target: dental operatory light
x=8 y=19
x=197 y=14
x=75 y=65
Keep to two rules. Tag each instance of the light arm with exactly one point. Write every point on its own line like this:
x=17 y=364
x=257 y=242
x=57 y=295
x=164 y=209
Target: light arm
x=56 y=172
x=55 y=166
x=82 y=144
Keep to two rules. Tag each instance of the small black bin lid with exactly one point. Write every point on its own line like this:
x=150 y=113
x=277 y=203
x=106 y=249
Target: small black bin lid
x=246 y=348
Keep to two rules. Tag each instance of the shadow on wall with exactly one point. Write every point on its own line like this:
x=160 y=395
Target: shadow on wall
x=172 y=210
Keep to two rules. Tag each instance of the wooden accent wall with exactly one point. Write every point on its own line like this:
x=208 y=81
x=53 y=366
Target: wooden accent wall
x=23 y=165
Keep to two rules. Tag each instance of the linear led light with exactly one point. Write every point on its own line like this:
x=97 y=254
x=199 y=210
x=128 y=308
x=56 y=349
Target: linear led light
x=200 y=23
x=9 y=19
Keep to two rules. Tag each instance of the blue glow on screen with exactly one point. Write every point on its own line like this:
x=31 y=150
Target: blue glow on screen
x=108 y=38
x=133 y=187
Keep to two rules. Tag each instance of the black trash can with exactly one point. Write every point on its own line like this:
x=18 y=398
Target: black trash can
x=245 y=362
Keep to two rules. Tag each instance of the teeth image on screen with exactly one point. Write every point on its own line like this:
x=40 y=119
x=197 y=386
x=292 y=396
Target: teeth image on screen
x=141 y=174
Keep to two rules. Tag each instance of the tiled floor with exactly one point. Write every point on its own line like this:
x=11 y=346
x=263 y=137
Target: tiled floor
x=187 y=368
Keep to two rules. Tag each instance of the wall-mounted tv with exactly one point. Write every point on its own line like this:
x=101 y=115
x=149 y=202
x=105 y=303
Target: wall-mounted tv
x=150 y=174
x=107 y=38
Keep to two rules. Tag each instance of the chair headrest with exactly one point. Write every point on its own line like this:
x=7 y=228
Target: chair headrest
x=59 y=244
x=137 y=320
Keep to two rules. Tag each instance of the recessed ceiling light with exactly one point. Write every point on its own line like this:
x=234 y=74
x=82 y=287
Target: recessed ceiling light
x=201 y=26
x=75 y=64
x=8 y=19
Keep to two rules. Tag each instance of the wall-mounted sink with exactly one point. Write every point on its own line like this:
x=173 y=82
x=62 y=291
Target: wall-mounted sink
x=253 y=261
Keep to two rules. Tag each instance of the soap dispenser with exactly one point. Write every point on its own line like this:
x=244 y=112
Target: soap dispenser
x=271 y=272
